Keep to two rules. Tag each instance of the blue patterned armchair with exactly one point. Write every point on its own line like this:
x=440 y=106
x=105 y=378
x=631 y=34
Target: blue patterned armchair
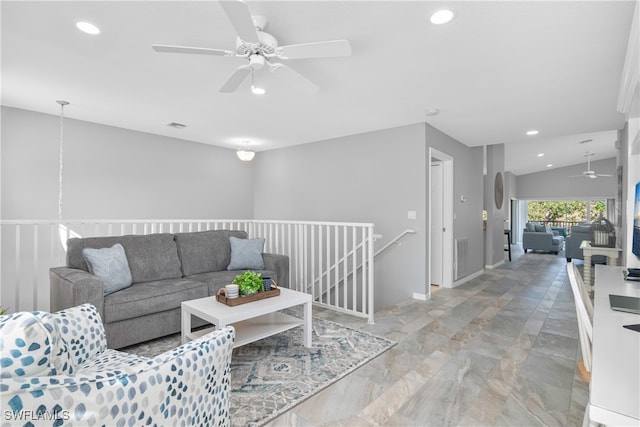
x=57 y=371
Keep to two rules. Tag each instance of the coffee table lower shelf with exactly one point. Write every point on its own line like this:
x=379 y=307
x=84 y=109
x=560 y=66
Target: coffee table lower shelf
x=255 y=328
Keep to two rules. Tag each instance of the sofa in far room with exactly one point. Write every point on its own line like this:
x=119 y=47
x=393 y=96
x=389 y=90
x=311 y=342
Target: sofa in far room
x=138 y=282
x=540 y=237
x=579 y=233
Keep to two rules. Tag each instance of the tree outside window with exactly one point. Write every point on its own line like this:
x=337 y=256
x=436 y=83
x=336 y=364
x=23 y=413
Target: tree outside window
x=565 y=213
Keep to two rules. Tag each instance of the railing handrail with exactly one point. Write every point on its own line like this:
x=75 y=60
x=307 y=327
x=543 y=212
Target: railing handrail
x=394 y=241
x=173 y=221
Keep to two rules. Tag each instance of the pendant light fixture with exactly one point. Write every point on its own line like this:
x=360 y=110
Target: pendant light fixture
x=245 y=154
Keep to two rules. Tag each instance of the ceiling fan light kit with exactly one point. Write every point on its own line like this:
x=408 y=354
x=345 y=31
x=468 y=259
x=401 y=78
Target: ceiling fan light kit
x=259 y=48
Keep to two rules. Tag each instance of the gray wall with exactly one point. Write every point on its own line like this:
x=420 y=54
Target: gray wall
x=494 y=233
x=114 y=173
x=373 y=177
x=467 y=181
x=557 y=184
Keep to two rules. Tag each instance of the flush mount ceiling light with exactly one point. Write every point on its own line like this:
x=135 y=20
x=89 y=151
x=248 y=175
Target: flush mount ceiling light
x=540 y=154
x=532 y=132
x=442 y=16
x=87 y=27
x=245 y=154
x=432 y=112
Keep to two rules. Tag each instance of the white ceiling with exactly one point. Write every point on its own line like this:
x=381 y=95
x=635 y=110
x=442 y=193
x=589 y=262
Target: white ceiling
x=497 y=70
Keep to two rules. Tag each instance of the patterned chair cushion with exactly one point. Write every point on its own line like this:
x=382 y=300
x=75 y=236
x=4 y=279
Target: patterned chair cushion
x=30 y=345
x=82 y=330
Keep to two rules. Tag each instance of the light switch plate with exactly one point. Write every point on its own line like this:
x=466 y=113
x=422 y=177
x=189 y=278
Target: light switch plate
x=411 y=215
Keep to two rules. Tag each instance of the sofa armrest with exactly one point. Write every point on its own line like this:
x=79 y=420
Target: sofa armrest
x=187 y=385
x=537 y=240
x=70 y=287
x=279 y=264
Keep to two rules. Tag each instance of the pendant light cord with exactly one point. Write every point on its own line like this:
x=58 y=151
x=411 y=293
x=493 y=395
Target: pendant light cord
x=61 y=158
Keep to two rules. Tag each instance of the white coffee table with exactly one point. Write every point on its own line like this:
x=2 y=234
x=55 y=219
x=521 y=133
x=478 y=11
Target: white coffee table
x=252 y=321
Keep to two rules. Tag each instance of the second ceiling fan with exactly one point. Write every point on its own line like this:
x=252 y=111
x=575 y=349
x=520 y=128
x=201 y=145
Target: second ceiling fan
x=260 y=48
x=589 y=173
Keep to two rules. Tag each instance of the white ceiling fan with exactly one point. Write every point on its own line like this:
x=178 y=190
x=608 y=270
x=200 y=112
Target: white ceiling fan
x=259 y=48
x=589 y=173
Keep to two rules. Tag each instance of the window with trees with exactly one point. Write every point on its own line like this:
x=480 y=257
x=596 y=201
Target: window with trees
x=565 y=213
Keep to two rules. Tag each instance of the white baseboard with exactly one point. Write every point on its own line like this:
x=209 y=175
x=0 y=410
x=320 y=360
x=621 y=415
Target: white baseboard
x=497 y=264
x=467 y=278
x=421 y=297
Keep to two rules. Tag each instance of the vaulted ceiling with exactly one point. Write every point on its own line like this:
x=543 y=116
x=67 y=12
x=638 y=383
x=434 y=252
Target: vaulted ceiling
x=496 y=71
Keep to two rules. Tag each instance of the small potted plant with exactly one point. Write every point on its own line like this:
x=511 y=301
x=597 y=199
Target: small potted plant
x=249 y=282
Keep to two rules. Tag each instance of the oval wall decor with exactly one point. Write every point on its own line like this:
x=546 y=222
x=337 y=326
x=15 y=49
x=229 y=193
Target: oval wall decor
x=498 y=189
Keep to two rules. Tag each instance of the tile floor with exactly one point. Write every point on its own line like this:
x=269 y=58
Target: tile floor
x=499 y=350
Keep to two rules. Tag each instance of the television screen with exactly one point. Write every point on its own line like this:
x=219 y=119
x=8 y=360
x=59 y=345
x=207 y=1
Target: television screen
x=636 y=222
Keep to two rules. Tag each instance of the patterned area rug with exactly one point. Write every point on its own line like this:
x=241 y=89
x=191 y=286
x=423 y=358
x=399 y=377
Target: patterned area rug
x=270 y=376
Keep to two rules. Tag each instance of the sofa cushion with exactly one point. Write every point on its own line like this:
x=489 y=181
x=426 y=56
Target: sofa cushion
x=111 y=265
x=530 y=226
x=28 y=344
x=246 y=254
x=540 y=228
x=151 y=257
x=141 y=299
x=205 y=251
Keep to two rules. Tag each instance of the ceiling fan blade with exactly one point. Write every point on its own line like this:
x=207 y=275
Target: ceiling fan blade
x=186 y=49
x=326 y=49
x=603 y=174
x=294 y=78
x=240 y=17
x=236 y=78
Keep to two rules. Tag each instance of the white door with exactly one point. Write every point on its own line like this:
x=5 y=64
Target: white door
x=436 y=222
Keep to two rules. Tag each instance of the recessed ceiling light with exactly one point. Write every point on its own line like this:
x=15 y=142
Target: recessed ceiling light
x=532 y=132
x=540 y=154
x=442 y=16
x=549 y=165
x=432 y=112
x=87 y=27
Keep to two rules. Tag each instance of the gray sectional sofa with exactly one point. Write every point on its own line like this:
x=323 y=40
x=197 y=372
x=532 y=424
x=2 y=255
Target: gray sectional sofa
x=539 y=237
x=166 y=269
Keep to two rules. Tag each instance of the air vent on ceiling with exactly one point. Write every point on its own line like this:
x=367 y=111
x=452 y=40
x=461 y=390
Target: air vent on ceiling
x=177 y=125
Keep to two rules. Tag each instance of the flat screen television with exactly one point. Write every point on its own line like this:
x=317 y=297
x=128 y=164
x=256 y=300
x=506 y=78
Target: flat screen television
x=636 y=222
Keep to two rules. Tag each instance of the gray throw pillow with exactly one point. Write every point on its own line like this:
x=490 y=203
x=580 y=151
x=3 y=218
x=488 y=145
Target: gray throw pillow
x=530 y=226
x=111 y=265
x=246 y=254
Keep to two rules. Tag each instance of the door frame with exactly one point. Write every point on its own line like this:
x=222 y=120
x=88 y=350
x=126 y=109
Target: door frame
x=447 y=218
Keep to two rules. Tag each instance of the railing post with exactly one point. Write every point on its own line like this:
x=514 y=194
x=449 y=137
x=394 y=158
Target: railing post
x=371 y=276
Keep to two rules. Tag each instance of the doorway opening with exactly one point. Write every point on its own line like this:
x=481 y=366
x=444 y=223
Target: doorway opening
x=440 y=220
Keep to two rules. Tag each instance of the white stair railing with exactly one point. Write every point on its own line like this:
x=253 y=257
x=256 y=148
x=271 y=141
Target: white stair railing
x=30 y=247
x=338 y=281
